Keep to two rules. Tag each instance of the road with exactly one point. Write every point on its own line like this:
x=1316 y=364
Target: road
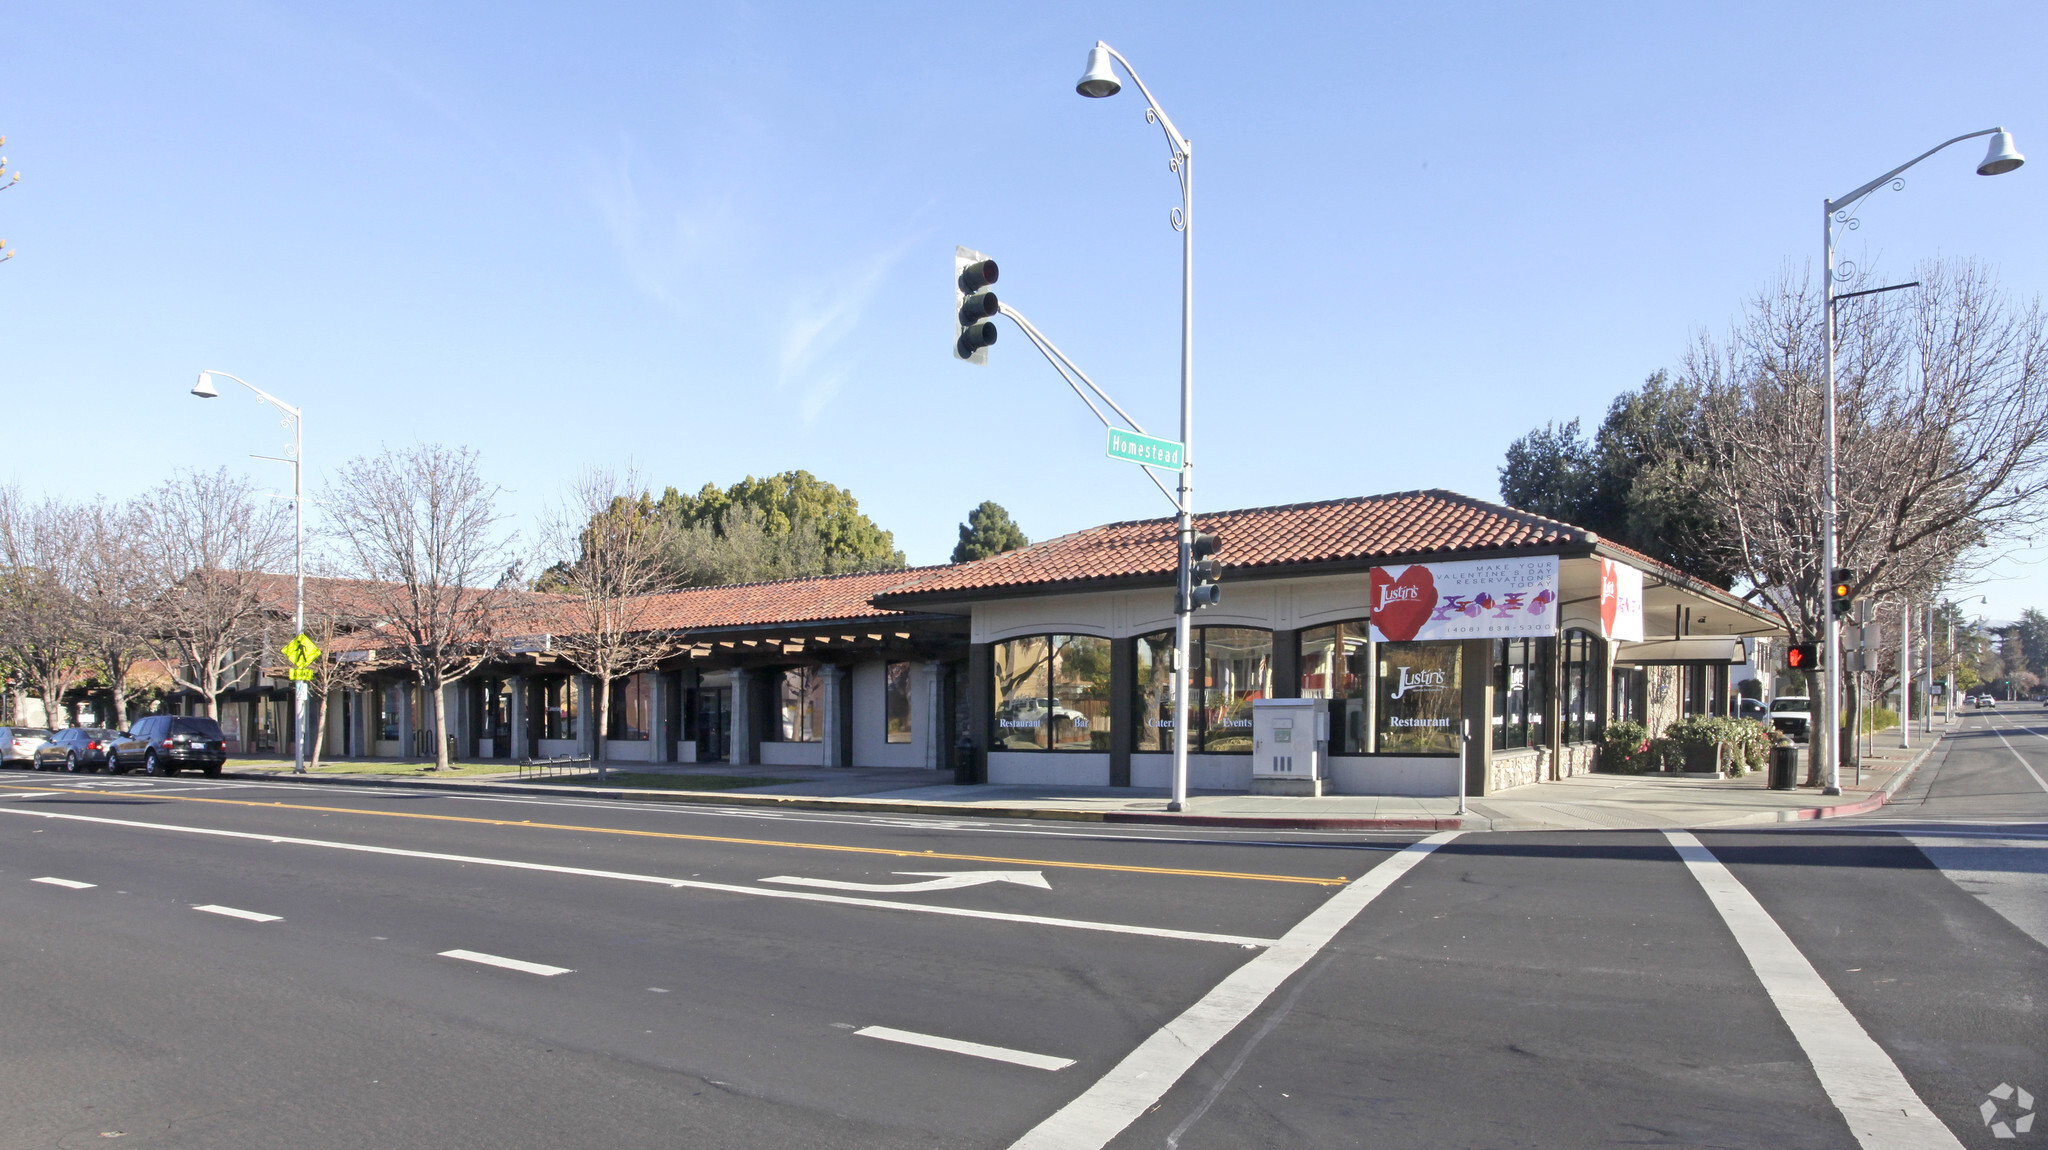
x=216 y=965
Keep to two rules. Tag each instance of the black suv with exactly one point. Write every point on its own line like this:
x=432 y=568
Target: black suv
x=167 y=744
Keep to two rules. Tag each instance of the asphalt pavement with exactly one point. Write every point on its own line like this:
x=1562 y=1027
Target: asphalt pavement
x=190 y=963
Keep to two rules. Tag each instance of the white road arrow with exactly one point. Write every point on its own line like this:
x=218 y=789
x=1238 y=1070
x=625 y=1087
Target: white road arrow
x=940 y=880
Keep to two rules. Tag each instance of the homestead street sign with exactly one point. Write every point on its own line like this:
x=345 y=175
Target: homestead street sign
x=1149 y=450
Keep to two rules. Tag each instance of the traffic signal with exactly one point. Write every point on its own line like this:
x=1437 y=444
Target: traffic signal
x=1839 y=587
x=1205 y=571
x=974 y=303
x=1802 y=657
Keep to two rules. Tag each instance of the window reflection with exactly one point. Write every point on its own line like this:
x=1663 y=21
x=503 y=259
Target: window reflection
x=1336 y=665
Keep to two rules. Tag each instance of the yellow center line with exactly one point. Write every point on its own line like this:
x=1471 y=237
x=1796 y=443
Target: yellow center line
x=1310 y=881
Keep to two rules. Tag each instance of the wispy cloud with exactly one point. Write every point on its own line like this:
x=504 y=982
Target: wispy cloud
x=812 y=364
x=664 y=250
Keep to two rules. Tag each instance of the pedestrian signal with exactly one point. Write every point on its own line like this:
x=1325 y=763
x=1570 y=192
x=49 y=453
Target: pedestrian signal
x=1802 y=657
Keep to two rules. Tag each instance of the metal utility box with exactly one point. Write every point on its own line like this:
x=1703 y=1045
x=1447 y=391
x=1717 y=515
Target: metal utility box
x=1290 y=746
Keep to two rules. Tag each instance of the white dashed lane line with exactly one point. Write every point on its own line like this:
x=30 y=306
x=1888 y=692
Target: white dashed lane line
x=971 y=1049
x=539 y=968
x=231 y=912
x=68 y=884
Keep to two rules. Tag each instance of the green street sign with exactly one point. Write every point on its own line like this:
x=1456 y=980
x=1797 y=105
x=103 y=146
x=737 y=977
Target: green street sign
x=1149 y=450
x=301 y=651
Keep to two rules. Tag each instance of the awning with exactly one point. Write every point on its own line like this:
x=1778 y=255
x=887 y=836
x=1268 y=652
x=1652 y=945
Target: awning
x=1699 y=649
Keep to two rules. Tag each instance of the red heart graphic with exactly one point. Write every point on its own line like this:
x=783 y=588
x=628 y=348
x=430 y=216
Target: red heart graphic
x=1610 y=596
x=1401 y=606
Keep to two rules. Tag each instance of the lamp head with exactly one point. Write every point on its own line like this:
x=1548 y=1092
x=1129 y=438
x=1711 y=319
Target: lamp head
x=2002 y=157
x=204 y=389
x=1100 y=78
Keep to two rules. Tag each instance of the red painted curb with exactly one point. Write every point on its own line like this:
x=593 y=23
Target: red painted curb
x=1283 y=824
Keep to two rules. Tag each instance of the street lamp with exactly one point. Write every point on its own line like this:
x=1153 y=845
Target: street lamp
x=1999 y=159
x=204 y=389
x=1097 y=82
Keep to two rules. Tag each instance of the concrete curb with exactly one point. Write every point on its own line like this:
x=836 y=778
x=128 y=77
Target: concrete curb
x=895 y=806
x=1865 y=806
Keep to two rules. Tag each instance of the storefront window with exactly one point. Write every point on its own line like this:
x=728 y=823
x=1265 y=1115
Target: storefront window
x=1022 y=704
x=1580 y=686
x=1419 y=707
x=896 y=702
x=1521 y=692
x=803 y=698
x=558 y=708
x=1233 y=666
x=1080 y=717
x=632 y=704
x=1052 y=693
x=1335 y=665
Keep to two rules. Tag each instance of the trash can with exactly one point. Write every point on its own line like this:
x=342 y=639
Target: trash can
x=963 y=761
x=1785 y=766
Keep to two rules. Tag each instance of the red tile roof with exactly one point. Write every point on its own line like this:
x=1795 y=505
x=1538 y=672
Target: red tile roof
x=815 y=599
x=1408 y=525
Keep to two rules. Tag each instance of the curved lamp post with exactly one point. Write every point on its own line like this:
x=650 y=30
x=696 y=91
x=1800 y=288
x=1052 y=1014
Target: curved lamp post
x=204 y=389
x=1097 y=82
x=2001 y=158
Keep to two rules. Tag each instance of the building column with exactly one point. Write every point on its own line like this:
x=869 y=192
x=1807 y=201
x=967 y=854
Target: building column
x=832 y=685
x=657 y=716
x=1478 y=711
x=406 y=724
x=586 y=714
x=515 y=720
x=928 y=715
x=1123 y=708
x=981 y=705
x=743 y=745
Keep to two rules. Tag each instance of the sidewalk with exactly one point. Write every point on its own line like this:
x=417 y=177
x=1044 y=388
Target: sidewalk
x=1588 y=802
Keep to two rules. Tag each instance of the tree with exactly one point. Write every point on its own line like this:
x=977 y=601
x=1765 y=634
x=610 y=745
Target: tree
x=42 y=623
x=2030 y=632
x=421 y=526
x=204 y=543
x=988 y=531
x=620 y=543
x=1942 y=418
x=1632 y=482
x=784 y=526
x=335 y=609
x=113 y=594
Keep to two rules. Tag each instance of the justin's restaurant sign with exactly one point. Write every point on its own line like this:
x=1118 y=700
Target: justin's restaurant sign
x=1483 y=599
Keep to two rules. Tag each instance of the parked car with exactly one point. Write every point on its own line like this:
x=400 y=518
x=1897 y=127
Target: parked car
x=18 y=744
x=76 y=749
x=1747 y=708
x=1792 y=714
x=167 y=744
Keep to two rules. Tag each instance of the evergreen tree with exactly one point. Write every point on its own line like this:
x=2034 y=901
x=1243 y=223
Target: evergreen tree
x=988 y=531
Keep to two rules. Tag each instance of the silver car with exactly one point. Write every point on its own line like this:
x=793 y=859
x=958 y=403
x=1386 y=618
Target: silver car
x=18 y=744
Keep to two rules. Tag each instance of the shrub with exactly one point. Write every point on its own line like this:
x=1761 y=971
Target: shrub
x=1745 y=743
x=1626 y=749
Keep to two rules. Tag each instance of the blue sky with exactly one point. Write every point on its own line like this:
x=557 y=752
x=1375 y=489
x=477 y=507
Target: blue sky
x=716 y=240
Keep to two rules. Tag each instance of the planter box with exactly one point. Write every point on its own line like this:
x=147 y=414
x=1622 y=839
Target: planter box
x=1703 y=760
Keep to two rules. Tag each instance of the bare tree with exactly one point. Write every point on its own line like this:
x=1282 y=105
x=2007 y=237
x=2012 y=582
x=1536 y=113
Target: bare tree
x=42 y=623
x=422 y=527
x=204 y=544
x=335 y=610
x=113 y=595
x=612 y=546
x=1942 y=433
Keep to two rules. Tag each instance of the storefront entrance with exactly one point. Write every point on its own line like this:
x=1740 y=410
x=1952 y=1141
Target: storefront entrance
x=710 y=723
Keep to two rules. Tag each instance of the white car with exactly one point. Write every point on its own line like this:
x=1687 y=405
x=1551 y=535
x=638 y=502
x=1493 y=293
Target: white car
x=18 y=744
x=1792 y=714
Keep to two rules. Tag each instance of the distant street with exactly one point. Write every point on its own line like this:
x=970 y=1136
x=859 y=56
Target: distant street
x=218 y=965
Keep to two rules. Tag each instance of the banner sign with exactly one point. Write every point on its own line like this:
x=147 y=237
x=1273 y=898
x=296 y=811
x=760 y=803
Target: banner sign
x=1484 y=599
x=1621 y=601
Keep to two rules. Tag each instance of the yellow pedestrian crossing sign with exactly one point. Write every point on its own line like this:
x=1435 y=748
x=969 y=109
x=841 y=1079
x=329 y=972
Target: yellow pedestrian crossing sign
x=301 y=651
